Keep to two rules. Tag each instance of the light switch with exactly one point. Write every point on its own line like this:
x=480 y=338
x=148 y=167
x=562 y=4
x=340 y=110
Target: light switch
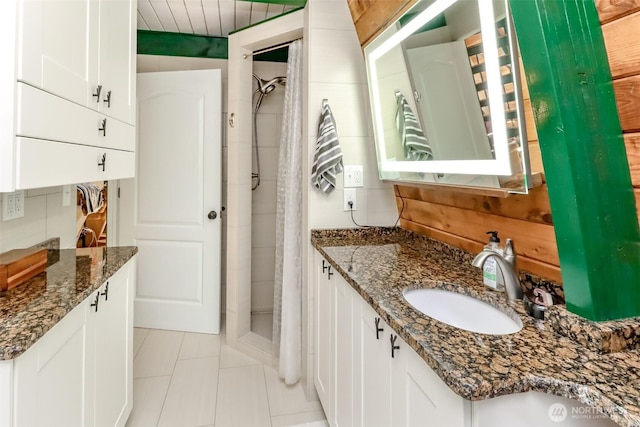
x=66 y=195
x=353 y=176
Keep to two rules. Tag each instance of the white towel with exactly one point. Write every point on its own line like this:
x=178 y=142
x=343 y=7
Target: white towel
x=327 y=159
x=415 y=144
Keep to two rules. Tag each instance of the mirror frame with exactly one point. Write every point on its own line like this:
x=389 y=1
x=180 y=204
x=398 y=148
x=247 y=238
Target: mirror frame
x=501 y=165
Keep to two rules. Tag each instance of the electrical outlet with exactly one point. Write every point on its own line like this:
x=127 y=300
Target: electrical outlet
x=350 y=196
x=19 y=200
x=353 y=176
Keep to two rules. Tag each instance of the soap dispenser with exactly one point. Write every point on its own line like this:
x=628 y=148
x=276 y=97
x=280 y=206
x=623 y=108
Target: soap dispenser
x=491 y=274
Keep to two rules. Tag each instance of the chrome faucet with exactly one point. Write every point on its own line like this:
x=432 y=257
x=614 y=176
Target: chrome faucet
x=507 y=265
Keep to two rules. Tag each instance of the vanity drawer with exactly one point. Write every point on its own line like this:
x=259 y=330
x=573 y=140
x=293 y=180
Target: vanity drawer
x=45 y=116
x=42 y=163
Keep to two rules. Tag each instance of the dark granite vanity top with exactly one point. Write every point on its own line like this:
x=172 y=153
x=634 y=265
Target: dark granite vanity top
x=28 y=311
x=379 y=263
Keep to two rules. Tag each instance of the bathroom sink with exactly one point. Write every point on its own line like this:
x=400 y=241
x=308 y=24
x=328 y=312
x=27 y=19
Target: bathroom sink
x=461 y=311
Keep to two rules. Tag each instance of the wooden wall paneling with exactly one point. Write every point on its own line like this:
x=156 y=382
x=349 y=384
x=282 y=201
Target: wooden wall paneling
x=358 y=7
x=627 y=92
x=608 y=10
x=533 y=240
x=632 y=142
x=376 y=17
x=622 y=39
x=533 y=207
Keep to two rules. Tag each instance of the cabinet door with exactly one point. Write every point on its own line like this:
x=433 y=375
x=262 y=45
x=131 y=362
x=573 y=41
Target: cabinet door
x=372 y=372
x=52 y=379
x=59 y=47
x=343 y=401
x=117 y=58
x=420 y=398
x=112 y=350
x=324 y=330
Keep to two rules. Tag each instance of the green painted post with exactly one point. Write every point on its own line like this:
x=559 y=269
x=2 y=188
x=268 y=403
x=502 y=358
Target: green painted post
x=584 y=157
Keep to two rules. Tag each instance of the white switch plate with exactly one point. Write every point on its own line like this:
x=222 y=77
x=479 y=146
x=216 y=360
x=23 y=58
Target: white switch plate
x=353 y=176
x=12 y=205
x=66 y=195
x=350 y=196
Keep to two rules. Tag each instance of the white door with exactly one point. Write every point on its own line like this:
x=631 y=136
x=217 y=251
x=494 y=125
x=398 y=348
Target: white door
x=177 y=204
x=450 y=115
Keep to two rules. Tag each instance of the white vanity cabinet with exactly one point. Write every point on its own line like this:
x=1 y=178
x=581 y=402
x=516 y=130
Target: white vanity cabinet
x=70 y=80
x=80 y=372
x=365 y=374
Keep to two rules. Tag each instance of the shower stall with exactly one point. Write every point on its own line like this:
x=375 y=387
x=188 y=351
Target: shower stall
x=268 y=101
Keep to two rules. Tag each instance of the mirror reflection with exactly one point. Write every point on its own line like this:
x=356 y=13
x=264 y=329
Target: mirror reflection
x=445 y=96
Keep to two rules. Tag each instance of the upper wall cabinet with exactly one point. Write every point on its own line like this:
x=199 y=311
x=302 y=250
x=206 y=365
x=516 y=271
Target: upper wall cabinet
x=70 y=92
x=446 y=98
x=80 y=50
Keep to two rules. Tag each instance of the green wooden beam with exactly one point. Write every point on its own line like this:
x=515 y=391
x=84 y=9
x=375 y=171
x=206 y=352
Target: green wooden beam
x=195 y=46
x=284 y=2
x=178 y=44
x=584 y=157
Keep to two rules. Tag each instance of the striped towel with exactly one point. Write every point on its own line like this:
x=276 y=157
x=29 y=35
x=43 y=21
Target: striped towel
x=415 y=144
x=327 y=160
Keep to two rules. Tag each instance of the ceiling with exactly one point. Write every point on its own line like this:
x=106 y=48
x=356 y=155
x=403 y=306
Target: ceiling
x=208 y=17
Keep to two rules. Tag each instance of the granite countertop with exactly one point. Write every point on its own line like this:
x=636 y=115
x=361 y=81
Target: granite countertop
x=28 y=311
x=380 y=262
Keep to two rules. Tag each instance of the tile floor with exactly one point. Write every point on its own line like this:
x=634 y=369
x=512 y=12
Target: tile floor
x=194 y=380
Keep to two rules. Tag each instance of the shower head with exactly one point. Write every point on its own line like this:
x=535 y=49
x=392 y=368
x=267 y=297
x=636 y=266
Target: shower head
x=267 y=86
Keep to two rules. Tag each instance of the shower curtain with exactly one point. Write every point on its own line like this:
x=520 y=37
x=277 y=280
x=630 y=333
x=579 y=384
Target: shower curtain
x=287 y=304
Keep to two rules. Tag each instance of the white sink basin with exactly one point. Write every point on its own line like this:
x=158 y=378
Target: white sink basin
x=461 y=311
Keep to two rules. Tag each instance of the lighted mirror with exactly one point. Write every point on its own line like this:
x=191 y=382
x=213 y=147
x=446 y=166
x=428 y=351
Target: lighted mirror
x=446 y=101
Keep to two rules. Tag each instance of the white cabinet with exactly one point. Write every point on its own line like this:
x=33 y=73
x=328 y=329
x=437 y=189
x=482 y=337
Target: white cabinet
x=113 y=351
x=420 y=398
x=344 y=300
x=80 y=372
x=51 y=378
x=70 y=79
x=369 y=376
x=323 y=377
x=334 y=347
x=80 y=50
x=58 y=47
x=118 y=21
x=372 y=373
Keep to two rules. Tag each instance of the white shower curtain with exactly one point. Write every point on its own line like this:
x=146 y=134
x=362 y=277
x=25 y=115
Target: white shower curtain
x=287 y=300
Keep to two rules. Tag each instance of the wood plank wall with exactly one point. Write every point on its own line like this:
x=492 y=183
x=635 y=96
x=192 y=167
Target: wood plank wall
x=462 y=219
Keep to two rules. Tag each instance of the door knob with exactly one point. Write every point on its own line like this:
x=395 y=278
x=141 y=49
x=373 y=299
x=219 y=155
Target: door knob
x=212 y=215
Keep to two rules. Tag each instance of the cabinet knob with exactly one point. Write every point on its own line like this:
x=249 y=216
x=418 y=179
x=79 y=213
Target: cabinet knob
x=97 y=93
x=106 y=292
x=103 y=127
x=103 y=161
x=107 y=99
x=394 y=347
x=96 y=302
x=212 y=215
x=378 y=328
